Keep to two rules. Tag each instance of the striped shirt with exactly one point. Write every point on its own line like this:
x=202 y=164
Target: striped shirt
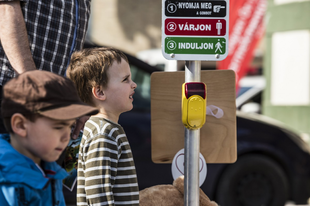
x=55 y=29
x=106 y=170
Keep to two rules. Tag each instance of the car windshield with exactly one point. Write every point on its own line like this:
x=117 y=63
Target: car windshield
x=242 y=90
x=142 y=92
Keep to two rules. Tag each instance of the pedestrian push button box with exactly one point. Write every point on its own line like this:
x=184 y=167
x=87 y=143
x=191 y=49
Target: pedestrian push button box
x=194 y=104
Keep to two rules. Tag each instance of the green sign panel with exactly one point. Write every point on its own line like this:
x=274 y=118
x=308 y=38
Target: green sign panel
x=195 y=45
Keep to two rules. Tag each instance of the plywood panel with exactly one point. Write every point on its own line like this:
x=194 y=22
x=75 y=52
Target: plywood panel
x=217 y=136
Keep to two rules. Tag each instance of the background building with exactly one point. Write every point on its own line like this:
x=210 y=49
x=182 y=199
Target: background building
x=287 y=63
x=130 y=25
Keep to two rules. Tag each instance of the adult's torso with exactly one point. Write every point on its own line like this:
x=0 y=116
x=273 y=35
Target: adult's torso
x=55 y=29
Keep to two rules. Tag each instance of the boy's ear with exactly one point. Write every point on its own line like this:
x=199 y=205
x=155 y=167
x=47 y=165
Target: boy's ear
x=98 y=92
x=18 y=124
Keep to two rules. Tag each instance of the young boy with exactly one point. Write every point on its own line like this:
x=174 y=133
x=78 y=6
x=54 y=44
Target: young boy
x=106 y=170
x=38 y=108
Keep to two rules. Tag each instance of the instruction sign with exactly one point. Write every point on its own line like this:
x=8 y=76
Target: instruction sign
x=195 y=45
x=195 y=27
x=195 y=30
x=195 y=8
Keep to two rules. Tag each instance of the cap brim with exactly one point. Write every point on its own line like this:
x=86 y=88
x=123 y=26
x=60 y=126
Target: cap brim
x=72 y=111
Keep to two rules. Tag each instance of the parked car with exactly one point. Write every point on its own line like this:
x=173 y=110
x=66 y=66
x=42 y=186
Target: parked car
x=273 y=164
x=249 y=93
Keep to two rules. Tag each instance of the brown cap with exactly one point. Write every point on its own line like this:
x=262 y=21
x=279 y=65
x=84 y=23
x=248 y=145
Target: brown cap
x=45 y=93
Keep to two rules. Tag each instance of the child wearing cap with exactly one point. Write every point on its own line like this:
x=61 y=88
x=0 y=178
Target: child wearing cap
x=106 y=170
x=38 y=109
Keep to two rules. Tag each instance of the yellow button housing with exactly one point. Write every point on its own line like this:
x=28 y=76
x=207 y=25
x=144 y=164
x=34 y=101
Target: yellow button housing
x=193 y=110
x=196 y=111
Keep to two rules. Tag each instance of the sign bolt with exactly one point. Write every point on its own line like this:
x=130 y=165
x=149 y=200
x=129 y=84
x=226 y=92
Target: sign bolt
x=217 y=56
x=172 y=55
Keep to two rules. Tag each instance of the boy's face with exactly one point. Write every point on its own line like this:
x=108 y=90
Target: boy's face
x=47 y=138
x=120 y=89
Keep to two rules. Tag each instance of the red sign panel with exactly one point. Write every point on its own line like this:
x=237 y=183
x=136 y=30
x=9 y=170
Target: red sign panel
x=195 y=27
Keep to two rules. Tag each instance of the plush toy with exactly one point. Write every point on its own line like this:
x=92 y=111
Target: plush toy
x=170 y=195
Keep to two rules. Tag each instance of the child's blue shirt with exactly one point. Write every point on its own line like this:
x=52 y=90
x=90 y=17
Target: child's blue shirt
x=23 y=183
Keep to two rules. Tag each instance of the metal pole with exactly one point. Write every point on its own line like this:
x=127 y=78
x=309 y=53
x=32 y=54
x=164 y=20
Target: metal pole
x=192 y=71
x=192 y=145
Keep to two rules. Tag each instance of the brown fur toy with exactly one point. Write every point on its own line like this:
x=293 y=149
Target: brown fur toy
x=170 y=195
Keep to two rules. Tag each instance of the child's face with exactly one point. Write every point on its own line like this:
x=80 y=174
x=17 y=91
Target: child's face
x=120 y=89
x=47 y=138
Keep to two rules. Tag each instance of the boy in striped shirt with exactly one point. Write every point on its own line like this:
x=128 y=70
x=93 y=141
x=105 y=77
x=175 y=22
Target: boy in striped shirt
x=106 y=170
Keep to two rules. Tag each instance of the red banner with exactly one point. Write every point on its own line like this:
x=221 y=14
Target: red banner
x=245 y=30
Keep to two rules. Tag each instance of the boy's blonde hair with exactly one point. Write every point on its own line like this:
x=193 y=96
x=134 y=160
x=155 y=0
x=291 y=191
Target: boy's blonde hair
x=89 y=68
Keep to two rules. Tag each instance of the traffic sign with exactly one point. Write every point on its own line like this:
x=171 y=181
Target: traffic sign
x=195 y=45
x=195 y=8
x=195 y=30
x=195 y=27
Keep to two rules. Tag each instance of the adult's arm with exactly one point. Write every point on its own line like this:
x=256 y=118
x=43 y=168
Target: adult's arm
x=80 y=122
x=14 y=38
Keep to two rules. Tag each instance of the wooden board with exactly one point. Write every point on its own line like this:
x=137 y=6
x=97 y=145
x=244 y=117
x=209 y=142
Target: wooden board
x=217 y=137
